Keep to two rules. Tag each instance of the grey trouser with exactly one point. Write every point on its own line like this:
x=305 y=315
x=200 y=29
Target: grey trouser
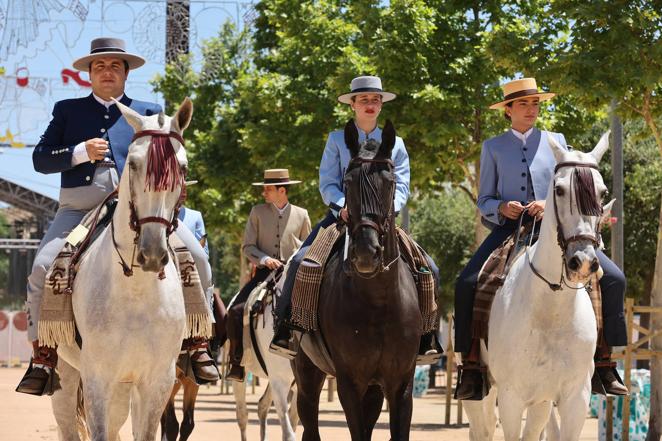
x=74 y=204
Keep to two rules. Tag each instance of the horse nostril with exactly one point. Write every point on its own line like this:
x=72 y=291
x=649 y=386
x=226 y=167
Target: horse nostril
x=574 y=263
x=595 y=265
x=141 y=258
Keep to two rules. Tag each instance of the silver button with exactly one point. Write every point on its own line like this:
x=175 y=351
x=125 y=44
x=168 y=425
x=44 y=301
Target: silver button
x=87 y=178
x=106 y=116
x=103 y=130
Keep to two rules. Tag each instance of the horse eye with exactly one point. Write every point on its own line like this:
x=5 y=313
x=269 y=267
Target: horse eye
x=559 y=191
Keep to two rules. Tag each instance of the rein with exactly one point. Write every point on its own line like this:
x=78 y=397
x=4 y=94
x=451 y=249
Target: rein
x=382 y=228
x=135 y=221
x=560 y=237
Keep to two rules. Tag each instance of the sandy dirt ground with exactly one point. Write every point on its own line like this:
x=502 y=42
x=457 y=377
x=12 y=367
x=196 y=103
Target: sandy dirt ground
x=28 y=418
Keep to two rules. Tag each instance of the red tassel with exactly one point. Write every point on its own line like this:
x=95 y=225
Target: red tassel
x=163 y=172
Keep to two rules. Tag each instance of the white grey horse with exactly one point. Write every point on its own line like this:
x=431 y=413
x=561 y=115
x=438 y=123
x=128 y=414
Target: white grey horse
x=542 y=330
x=131 y=317
x=280 y=389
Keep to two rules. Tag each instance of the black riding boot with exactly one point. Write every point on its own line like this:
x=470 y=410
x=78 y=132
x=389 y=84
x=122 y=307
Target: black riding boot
x=429 y=349
x=280 y=344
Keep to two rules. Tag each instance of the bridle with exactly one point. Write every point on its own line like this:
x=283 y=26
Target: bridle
x=386 y=213
x=563 y=241
x=135 y=221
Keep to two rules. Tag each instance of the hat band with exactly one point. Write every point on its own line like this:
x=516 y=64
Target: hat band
x=275 y=180
x=367 y=89
x=521 y=93
x=107 y=49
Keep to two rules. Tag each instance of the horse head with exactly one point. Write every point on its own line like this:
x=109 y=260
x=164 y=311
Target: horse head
x=369 y=190
x=576 y=198
x=153 y=181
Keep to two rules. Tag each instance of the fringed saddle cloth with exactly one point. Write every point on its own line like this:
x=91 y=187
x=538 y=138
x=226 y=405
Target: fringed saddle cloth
x=305 y=296
x=493 y=275
x=57 y=322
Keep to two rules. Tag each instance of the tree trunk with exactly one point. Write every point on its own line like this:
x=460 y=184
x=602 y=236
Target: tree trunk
x=655 y=420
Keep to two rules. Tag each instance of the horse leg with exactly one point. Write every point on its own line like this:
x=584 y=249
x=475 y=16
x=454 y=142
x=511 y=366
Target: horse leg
x=281 y=389
x=97 y=404
x=511 y=409
x=169 y=423
x=310 y=381
x=188 y=422
x=147 y=404
x=263 y=405
x=372 y=407
x=64 y=402
x=239 y=391
x=119 y=409
x=293 y=414
x=536 y=418
x=572 y=413
x=351 y=399
x=401 y=405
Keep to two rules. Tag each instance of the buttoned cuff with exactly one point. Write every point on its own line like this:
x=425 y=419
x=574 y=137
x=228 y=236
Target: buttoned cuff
x=263 y=260
x=79 y=154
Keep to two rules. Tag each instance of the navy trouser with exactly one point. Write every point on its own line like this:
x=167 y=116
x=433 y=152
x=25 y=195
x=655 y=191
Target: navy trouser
x=612 y=285
x=284 y=305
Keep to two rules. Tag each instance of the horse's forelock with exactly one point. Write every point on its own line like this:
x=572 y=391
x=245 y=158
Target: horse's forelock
x=163 y=171
x=584 y=190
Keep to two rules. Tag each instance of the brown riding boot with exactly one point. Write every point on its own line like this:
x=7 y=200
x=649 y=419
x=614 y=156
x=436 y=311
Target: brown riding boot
x=40 y=378
x=605 y=377
x=203 y=365
x=235 y=328
x=470 y=384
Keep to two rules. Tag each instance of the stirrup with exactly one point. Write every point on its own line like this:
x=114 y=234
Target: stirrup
x=283 y=352
x=50 y=385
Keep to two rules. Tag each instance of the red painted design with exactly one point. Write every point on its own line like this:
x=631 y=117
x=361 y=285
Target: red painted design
x=74 y=75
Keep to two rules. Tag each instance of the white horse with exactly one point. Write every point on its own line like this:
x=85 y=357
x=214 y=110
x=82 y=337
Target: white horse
x=131 y=325
x=281 y=380
x=542 y=330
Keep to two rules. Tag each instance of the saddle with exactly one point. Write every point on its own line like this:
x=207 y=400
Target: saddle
x=57 y=323
x=305 y=295
x=493 y=275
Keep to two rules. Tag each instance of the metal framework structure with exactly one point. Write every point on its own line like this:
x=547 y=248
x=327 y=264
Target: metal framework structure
x=41 y=206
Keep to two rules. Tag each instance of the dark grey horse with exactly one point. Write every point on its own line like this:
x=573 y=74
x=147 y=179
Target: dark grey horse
x=369 y=319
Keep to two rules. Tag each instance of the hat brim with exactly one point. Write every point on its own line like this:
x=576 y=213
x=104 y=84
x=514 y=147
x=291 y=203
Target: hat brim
x=83 y=63
x=275 y=183
x=544 y=96
x=347 y=97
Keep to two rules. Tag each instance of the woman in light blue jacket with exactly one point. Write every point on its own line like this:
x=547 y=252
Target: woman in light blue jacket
x=516 y=168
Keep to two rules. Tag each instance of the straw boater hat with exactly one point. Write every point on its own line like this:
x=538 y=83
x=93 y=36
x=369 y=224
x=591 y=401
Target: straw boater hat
x=366 y=84
x=108 y=47
x=523 y=88
x=276 y=176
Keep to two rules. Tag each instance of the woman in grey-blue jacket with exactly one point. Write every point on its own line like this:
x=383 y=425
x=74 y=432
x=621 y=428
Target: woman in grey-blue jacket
x=515 y=170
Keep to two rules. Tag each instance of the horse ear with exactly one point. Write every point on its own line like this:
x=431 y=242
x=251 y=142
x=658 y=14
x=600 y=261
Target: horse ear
x=352 y=138
x=134 y=119
x=388 y=140
x=601 y=147
x=182 y=118
x=606 y=211
x=557 y=149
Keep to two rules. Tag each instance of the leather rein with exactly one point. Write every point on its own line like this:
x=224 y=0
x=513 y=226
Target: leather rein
x=563 y=241
x=382 y=228
x=135 y=221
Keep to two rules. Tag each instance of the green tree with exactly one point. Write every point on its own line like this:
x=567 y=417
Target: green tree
x=439 y=224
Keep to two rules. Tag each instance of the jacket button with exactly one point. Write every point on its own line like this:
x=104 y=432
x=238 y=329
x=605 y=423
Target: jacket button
x=524 y=175
x=277 y=246
x=525 y=148
x=523 y=160
x=103 y=130
x=522 y=188
x=106 y=116
x=87 y=178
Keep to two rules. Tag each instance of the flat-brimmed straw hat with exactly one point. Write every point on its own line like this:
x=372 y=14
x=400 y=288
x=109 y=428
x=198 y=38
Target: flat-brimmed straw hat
x=276 y=176
x=108 y=47
x=366 y=84
x=518 y=89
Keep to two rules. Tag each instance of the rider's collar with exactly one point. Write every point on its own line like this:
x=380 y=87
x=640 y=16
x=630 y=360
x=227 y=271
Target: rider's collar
x=105 y=103
x=374 y=134
x=522 y=136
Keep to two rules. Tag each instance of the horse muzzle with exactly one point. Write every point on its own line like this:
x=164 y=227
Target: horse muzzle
x=366 y=259
x=152 y=252
x=581 y=262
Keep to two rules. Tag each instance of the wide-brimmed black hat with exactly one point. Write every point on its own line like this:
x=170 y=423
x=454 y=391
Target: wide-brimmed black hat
x=108 y=47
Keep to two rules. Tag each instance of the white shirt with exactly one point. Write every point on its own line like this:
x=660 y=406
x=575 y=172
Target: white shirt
x=80 y=152
x=522 y=136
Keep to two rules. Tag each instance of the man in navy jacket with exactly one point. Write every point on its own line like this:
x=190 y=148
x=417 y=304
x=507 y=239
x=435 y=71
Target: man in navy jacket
x=87 y=142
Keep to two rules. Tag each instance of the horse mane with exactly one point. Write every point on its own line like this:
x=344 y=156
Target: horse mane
x=163 y=171
x=584 y=191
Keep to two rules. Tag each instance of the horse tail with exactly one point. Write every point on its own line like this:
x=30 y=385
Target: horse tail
x=81 y=422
